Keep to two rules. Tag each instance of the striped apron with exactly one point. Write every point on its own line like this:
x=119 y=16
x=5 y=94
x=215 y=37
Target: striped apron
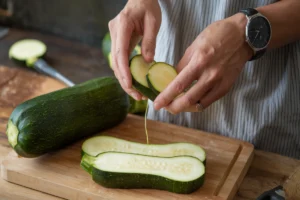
x=263 y=106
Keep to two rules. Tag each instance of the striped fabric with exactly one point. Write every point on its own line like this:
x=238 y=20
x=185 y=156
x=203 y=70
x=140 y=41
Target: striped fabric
x=263 y=107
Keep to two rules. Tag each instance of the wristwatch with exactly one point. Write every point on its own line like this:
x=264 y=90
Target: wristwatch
x=258 y=32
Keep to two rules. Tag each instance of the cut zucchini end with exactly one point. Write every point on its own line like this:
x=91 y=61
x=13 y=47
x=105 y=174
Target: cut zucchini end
x=12 y=133
x=160 y=75
x=26 y=50
x=87 y=162
x=183 y=174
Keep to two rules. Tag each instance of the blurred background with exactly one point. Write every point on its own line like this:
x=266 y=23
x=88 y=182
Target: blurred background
x=81 y=20
x=73 y=31
x=76 y=36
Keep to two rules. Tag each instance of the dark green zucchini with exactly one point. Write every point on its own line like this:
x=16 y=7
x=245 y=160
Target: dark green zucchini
x=54 y=120
x=181 y=174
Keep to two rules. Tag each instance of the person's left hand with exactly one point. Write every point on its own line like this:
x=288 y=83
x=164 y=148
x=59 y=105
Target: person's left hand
x=215 y=60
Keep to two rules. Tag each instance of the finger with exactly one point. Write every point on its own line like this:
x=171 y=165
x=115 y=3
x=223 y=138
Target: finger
x=183 y=80
x=185 y=60
x=213 y=95
x=216 y=93
x=149 y=40
x=190 y=98
x=134 y=94
x=122 y=51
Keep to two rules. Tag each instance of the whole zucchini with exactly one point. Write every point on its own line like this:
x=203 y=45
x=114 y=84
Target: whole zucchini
x=52 y=121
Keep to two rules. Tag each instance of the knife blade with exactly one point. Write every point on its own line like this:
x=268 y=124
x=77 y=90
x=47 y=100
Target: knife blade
x=289 y=190
x=3 y=32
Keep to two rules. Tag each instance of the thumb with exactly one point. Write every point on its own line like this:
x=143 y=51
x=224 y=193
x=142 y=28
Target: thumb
x=149 y=40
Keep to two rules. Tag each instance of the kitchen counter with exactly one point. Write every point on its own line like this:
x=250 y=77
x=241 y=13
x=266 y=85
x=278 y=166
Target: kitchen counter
x=80 y=62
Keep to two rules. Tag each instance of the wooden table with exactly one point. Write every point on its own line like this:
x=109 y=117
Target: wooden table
x=79 y=63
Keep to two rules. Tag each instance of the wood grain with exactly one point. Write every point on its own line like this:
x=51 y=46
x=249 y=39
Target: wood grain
x=59 y=172
x=17 y=86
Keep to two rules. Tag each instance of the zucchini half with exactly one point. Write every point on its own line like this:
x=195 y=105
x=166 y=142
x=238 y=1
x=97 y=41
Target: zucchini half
x=139 y=69
x=100 y=144
x=182 y=174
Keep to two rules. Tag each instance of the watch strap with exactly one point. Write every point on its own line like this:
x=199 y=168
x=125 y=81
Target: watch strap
x=258 y=54
x=249 y=11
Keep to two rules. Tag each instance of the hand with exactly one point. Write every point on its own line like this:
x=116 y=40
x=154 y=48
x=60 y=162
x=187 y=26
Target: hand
x=215 y=60
x=138 y=18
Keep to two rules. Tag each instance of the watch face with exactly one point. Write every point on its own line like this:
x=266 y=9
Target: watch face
x=259 y=32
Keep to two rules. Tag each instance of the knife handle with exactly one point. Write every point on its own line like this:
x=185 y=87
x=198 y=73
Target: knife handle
x=41 y=66
x=273 y=194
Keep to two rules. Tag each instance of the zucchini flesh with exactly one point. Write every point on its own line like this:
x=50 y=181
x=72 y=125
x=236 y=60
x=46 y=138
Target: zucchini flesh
x=26 y=50
x=139 y=69
x=160 y=75
x=100 y=144
x=182 y=174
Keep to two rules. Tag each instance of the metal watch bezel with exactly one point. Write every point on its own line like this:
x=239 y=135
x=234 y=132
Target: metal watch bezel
x=249 y=19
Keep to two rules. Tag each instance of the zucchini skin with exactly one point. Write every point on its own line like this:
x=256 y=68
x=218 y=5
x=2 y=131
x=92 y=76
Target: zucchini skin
x=151 y=86
x=52 y=121
x=147 y=92
x=144 y=181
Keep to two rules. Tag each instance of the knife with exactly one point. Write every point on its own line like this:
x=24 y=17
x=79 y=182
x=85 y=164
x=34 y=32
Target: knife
x=3 y=31
x=290 y=190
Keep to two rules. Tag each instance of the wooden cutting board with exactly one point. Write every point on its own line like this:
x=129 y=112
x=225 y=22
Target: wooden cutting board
x=59 y=173
x=18 y=85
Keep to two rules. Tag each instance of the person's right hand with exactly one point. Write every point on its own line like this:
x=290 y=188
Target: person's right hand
x=139 y=18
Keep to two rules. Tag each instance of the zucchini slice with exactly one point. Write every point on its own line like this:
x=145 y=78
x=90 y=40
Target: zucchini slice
x=160 y=75
x=27 y=51
x=100 y=144
x=139 y=69
x=183 y=174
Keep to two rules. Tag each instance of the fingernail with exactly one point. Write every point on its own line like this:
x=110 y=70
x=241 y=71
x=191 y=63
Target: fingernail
x=144 y=98
x=125 y=82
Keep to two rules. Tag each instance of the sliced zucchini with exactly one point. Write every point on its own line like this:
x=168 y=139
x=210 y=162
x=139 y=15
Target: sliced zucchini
x=100 y=144
x=182 y=174
x=26 y=51
x=139 y=69
x=160 y=75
